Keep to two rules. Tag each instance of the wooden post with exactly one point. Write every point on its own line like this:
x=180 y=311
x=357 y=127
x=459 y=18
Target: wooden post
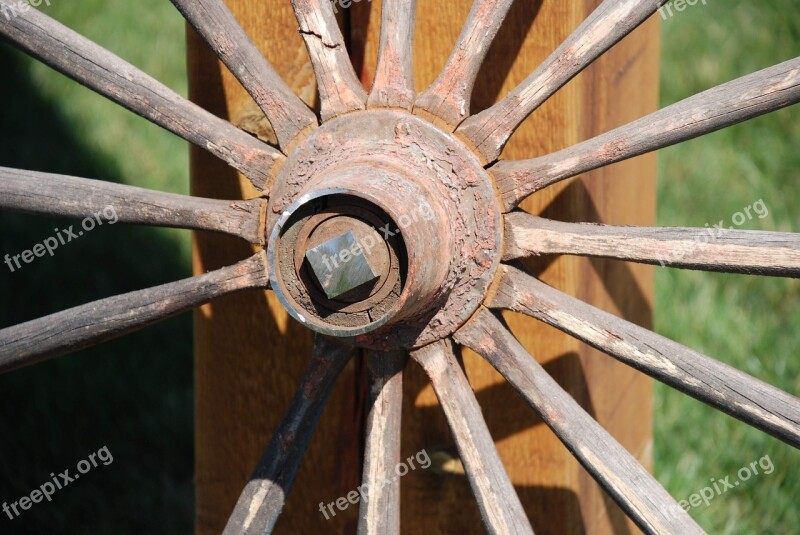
x=250 y=356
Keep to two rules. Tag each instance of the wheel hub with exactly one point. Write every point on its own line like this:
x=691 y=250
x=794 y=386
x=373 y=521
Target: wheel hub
x=383 y=229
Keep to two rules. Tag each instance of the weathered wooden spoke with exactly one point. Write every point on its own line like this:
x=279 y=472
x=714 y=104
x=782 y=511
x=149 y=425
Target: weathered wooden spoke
x=340 y=90
x=91 y=324
x=95 y=67
x=215 y=23
x=611 y=21
x=616 y=470
x=498 y=502
x=32 y=192
x=727 y=389
x=448 y=98
x=725 y=105
x=379 y=512
x=263 y=497
x=394 y=77
x=391 y=161
x=716 y=248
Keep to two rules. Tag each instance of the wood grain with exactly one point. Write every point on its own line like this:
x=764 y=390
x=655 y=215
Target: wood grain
x=500 y=507
x=80 y=327
x=98 y=69
x=264 y=496
x=249 y=355
x=379 y=510
x=557 y=494
x=725 y=105
x=340 y=90
x=754 y=402
x=448 y=98
x=489 y=130
x=394 y=75
x=623 y=478
x=708 y=249
x=47 y=194
x=212 y=20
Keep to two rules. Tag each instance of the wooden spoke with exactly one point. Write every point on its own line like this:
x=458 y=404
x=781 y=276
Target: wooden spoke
x=722 y=106
x=47 y=194
x=617 y=471
x=716 y=248
x=265 y=494
x=93 y=66
x=340 y=90
x=379 y=512
x=611 y=21
x=727 y=389
x=394 y=77
x=215 y=23
x=448 y=98
x=498 y=502
x=87 y=325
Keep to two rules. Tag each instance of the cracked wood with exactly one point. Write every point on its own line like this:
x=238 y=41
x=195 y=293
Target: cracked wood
x=636 y=491
x=725 y=105
x=98 y=69
x=83 y=326
x=734 y=392
x=47 y=194
x=710 y=249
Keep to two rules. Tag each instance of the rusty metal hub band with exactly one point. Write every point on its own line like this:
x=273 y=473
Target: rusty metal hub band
x=393 y=178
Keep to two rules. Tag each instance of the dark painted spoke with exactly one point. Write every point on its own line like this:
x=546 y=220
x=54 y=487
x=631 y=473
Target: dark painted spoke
x=265 y=494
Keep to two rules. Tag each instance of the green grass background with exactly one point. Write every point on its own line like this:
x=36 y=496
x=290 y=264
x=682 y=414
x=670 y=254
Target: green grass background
x=134 y=395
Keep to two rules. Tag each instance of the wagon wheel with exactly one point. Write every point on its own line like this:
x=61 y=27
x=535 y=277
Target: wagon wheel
x=388 y=223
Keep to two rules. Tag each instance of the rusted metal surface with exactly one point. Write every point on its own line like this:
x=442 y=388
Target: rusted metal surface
x=441 y=206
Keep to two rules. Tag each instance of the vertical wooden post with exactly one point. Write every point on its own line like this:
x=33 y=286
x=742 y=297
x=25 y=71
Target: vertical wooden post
x=249 y=355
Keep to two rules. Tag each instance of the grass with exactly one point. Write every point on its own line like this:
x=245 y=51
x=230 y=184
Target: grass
x=748 y=322
x=134 y=395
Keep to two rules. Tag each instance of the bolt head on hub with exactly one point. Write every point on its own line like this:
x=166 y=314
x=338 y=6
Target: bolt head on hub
x=340 y=265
